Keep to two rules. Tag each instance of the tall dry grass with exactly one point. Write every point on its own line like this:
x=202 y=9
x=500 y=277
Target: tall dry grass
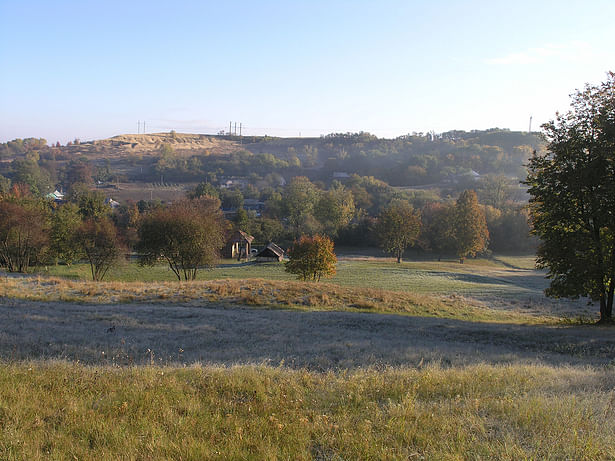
x=65 y=411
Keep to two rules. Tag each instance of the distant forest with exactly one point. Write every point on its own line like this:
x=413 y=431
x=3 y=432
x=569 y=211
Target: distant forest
x=345 y=179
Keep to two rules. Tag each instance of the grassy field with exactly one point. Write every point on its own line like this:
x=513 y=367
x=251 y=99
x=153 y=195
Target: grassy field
x=259 y=292
x=62 y=411
x=501 y=276
x=455 y=410
x=500 y=283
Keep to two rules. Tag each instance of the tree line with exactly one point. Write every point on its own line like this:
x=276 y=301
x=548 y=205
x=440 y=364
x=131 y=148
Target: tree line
x=188 y=234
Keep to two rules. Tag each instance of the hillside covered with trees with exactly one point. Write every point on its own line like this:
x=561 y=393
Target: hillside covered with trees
x=278 y=189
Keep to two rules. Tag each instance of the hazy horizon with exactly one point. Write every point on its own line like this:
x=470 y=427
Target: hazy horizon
x=78 y=70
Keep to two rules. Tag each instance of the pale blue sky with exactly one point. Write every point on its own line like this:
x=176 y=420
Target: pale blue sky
x=92 y=69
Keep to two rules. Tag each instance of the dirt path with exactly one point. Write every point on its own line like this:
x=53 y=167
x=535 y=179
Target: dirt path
x=126 y=334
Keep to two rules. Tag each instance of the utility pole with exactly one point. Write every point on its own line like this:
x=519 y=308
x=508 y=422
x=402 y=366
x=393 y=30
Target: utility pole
x=530 y=123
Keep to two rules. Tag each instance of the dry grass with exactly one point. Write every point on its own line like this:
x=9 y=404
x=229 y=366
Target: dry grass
x=258 y=292
x=63 y=411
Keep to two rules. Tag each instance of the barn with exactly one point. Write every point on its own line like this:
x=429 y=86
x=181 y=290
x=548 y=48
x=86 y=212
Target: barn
x=238 y=245
x=270 y=253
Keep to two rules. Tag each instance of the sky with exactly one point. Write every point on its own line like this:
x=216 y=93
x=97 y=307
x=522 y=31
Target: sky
x=92 y=69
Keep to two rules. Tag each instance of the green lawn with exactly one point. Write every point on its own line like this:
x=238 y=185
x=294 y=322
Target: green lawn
x=503 y=276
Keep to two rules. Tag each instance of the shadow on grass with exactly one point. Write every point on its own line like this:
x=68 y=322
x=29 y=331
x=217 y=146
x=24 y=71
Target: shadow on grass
x=140 y=334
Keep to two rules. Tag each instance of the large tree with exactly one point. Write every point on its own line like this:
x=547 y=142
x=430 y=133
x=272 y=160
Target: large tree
x=437 y=230
x=470 y=233
x=398 y=227
x=65 y=225
x=186 y=235
x=24 y=233
x=298 y=201
x=572 y=188
x=335 y=209
x=97 y=239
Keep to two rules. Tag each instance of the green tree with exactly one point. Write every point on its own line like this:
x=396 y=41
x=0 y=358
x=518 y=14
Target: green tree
x=5 y=185
x=311 y=258
x=398 y=227
x=572 y=188
x=65 y=223
x=437 y=232
x=471 y=235
x=202 y=189
x=265 y=230
x=91 y=203
x=494 y=190
x=28 y=171
x=241 y=220
x=298 y=201
x=335 y=209
x=232 y=199
x=187 y=235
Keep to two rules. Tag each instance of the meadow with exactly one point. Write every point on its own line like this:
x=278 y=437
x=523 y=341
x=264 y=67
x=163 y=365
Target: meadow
x=501 y=275
x=421 y=360
x=67 y=411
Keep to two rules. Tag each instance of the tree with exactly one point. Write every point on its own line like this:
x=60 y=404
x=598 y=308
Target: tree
x=572 y=204
x=494 y=190
x=187 y=235
x=398 y=227
x=335 y=209
x=28 y=171
x=91 y=203
x=97 y=240
x=232 y=199
x=437 y=232
x=65 y=224
x=471 y=235
x=78 y=172
x=311 y=258
x=24 y=240
x=5 y=185
x=202 y=189
x=298 y=201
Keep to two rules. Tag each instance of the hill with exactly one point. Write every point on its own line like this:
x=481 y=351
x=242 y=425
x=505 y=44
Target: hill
x=140 y=161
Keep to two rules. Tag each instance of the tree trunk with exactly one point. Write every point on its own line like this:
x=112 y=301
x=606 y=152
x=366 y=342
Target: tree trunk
x=606 y=306
x=608 y=312
x=398 y=257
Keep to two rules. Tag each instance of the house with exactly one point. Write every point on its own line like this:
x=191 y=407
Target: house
x=55 y=196
x=254 y=205
x=238 y=245
x=271 y=252
x=233 y=182
x=112 y=203
x=339 y=175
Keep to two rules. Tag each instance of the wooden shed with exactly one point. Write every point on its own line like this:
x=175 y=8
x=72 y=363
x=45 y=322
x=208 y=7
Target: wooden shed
x=238 y=245
x=271 y=252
